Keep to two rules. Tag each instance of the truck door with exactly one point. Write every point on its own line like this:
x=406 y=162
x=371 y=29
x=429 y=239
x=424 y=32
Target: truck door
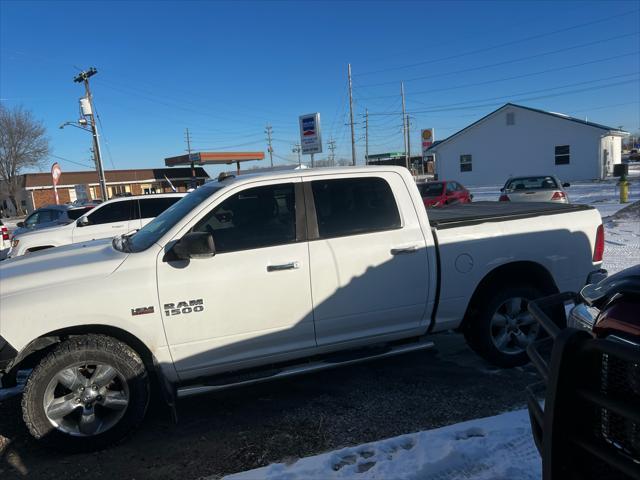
x=251 y=301
x=369 y=271
x=106 y=221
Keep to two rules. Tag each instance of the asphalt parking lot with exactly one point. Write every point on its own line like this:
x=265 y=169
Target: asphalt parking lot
x=245 y=428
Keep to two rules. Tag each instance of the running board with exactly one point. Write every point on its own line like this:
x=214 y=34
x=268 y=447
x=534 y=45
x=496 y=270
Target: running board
x=300 y=369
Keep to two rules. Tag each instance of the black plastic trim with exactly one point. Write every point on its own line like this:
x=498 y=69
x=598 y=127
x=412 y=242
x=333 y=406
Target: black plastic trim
x=7 y=354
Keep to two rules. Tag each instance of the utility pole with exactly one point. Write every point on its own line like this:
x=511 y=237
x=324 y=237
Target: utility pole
x=408 y=142
x=353 y=135
x=269 y=130
x=297 y=148
x=332 y=147
x=366 y=136
x=404 y=126
x=83 y=77
x=194 y=182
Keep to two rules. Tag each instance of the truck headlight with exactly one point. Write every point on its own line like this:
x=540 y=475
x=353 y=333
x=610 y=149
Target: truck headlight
x=14 y=243
x=583 y=317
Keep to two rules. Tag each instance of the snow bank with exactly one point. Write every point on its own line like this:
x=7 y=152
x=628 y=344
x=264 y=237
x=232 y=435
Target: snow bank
x=499 y=447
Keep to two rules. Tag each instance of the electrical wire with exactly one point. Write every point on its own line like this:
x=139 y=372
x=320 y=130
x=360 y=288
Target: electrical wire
x=501 y=45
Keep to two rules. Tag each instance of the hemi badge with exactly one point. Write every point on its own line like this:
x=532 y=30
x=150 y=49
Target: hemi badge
x=141 y=311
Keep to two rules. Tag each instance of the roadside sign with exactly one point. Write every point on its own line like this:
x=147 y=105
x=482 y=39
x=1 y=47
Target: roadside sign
x=310 y=137
x=56 y=172
x=427 y=140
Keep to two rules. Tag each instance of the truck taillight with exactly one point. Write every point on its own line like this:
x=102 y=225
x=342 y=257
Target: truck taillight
x=558 y=196
x=598 y=250
x=5 y=233
x=504 y=198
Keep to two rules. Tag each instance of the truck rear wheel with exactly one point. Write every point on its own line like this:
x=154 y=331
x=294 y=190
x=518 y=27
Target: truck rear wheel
x=89 y=392
x=502 y=328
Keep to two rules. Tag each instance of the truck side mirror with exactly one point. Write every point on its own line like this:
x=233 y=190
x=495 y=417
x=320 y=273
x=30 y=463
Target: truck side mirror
x=83 y=222
x=20 y=224
x=566 y=185
x=195 y=245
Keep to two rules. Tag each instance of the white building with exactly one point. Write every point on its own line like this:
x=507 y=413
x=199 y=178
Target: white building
x=518 y=140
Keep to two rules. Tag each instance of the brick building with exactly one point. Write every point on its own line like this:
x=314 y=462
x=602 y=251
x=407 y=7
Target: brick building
x=37 y=188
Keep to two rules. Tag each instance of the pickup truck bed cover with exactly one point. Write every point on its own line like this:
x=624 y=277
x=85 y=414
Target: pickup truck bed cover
x=480 y=212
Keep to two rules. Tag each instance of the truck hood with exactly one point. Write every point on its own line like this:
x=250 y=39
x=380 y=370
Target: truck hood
x=67 y=264
x=43 y=231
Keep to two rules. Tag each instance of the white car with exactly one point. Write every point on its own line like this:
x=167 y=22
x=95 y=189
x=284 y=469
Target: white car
x=115 y=217
x=534 y=188
x=258 y=278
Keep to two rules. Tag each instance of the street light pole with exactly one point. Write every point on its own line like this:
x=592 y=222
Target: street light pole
x=83 y=77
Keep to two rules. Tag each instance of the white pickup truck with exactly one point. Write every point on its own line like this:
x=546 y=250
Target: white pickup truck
x=115 y=217
x=260 y=277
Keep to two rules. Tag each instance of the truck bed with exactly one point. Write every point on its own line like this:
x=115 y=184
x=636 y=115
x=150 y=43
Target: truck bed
x=481 y=212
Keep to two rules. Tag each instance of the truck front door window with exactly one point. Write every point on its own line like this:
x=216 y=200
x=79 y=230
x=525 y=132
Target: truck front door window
x=254 y=218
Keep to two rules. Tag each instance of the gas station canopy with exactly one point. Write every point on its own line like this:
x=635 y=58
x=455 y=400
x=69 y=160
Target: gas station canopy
x=213 y=158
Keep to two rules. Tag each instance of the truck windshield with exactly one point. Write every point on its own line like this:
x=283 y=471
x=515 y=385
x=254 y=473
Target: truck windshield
x=156 y=228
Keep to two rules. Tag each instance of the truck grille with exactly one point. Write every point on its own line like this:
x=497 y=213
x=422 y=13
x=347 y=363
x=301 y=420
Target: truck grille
x=619 y=380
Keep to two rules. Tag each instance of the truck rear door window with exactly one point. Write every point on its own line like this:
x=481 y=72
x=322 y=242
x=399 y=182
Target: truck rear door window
x=152 y=207
x=354 y=206
x=253 y=218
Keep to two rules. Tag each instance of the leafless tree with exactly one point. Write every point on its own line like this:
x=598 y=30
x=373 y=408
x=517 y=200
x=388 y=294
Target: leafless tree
x=23 y=145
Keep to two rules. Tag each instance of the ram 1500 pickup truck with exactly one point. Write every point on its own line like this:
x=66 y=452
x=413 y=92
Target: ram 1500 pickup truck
x=256 y=278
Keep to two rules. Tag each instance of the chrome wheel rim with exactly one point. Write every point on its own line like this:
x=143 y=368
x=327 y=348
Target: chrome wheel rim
x=512 y=326
x=86 y=398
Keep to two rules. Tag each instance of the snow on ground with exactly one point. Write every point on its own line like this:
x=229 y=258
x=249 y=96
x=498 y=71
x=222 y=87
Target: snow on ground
x=499 y=447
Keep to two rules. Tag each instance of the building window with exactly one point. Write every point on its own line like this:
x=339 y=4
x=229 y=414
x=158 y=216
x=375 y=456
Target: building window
x=562 y=154
x=511 y=118
x=465 y=163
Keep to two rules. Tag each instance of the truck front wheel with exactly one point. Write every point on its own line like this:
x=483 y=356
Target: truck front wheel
x=502 y=328
x=89 y=392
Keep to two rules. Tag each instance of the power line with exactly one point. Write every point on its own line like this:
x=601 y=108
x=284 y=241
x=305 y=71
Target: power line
x=462 y=104
x=487 y=82
x=507 y=62
x=500 y=45
x=86 y=165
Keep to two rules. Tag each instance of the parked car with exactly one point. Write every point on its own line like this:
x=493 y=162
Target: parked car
x=262 y=277
x=442 y=193
x=115 y=217
x=51 y=216
x=536 y=188
x=589 y=426
x=4 y=236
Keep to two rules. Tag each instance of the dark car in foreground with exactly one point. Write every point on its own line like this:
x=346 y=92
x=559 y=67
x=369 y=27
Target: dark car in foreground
x=442 y=193
x=589 y=426
x=51 y=216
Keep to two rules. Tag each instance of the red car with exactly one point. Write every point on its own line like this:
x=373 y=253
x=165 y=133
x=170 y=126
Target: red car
x=441 y=193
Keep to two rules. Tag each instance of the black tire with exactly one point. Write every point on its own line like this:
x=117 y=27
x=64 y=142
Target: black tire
x=87 y=348
x=478 y=330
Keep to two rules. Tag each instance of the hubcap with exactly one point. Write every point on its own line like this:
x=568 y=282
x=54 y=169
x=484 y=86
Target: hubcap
x=86 y=398
x=512 y=326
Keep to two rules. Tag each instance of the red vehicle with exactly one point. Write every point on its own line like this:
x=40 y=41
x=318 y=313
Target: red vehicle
x=589 y=425
x=441 y=193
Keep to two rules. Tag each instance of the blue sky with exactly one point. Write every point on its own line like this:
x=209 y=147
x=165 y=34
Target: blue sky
x=226 y=69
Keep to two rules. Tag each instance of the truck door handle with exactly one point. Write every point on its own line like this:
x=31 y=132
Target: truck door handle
x=404 y=250
x=284 y=266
